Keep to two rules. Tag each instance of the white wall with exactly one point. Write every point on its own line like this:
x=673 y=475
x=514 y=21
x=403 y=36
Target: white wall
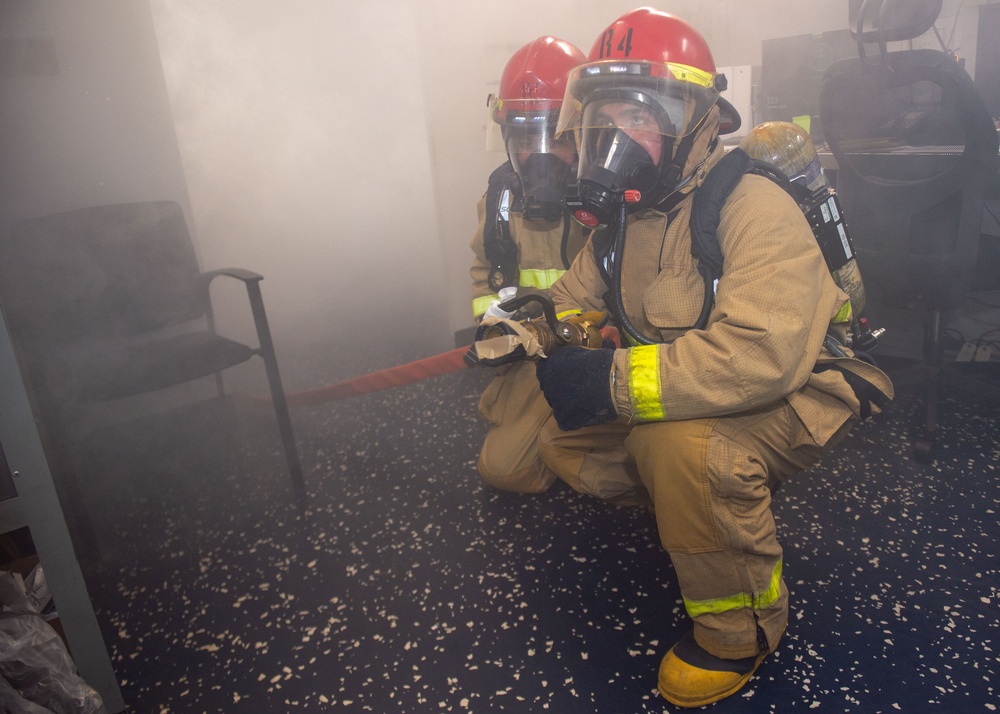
x=303 y=134
x=84 y=113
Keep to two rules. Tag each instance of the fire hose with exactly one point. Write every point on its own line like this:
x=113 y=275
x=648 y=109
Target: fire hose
x=497 y=342
x=444 y=363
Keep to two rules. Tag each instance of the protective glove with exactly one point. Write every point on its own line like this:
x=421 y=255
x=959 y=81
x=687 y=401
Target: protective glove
x=576 y=382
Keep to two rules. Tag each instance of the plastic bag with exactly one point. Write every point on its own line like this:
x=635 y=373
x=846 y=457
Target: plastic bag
x=34 y=660
x=11 y=702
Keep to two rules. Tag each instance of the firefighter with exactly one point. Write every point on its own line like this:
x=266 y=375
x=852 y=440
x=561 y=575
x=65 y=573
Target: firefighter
x=722 y=388
x=525 y=241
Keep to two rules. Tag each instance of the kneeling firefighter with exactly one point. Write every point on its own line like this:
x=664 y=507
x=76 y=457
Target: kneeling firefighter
x=525 y=241
x=725 y=384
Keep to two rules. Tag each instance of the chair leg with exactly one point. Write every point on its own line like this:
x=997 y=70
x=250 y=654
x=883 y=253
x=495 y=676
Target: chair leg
x=923 y=448
x=277 y=393
x=285 y=426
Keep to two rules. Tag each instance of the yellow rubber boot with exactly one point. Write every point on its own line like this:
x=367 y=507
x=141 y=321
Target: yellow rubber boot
x=692 y=677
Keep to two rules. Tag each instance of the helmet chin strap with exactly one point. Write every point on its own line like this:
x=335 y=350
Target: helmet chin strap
x=674 y=173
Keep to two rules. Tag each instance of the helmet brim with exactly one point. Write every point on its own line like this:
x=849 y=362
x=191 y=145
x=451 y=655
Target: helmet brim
x=729 y=118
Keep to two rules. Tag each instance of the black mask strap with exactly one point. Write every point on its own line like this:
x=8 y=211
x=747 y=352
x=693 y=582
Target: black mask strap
x=675 y=173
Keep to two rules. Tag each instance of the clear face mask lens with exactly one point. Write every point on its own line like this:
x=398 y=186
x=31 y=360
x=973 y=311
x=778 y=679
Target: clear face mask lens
x=527 y=142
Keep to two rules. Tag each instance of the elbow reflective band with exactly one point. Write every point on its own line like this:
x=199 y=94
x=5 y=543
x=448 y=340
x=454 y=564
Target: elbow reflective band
x=481 y=304
x=739 y=601
x=568 y=313
x=541 y=279
x=644 y=382
x=844 y=314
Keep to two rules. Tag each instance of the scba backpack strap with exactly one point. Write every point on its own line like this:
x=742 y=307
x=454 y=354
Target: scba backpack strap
x=706 y=210
x=500 y=249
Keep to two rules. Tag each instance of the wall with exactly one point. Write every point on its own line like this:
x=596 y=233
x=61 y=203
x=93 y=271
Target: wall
x=304 y=139
x=84 y=113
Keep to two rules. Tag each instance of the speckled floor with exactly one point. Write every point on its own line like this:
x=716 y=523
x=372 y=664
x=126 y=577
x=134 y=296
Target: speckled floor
x=408 y=586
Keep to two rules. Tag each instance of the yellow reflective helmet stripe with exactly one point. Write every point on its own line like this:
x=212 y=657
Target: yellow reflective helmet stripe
x=687 y=73
x=644 y=382
x=481 y=304
x=539 y=278
x=740 y=601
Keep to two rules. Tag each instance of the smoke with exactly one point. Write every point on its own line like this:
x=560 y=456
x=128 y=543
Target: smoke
x=338 y=148
x=305 y=149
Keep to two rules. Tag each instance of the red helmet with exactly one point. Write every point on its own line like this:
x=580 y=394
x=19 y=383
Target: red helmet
x=524 y=116
x=645 y=34
x=637 y=106
x=534 y=81
x=665 y=58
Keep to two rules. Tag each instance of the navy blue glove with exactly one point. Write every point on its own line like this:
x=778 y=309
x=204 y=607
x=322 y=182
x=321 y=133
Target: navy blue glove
x=576 y=382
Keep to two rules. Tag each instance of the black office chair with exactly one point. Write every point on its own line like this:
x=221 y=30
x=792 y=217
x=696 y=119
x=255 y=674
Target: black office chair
x=915 y=150
x=109 y=302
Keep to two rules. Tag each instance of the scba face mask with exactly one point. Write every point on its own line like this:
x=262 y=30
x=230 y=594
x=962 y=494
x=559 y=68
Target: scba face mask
x=624 y=143
x=544 y=165
x=544 y=178
x=620 y=170
x=658 y=105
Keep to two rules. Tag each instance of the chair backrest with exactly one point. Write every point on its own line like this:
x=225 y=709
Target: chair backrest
x=915 y=149
x=104 y=272
x=882 y=21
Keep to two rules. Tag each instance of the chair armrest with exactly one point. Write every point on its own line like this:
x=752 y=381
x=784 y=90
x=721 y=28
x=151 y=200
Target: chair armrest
x=252 y=282
x=239 y=273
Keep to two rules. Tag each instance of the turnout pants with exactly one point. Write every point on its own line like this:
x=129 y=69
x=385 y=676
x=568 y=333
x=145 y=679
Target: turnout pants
x=516 y=410
x=709 y=482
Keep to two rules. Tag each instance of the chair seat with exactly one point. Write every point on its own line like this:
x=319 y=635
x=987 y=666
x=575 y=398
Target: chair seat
x=98 y=371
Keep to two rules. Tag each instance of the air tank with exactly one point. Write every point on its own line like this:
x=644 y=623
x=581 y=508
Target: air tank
x=787 y=147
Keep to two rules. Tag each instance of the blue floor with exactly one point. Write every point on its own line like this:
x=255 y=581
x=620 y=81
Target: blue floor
x=408 y=586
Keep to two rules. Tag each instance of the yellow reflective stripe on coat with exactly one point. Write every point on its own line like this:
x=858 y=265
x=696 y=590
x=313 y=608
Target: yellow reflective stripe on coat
x=568 y=313
x=541 y=279
x=644 y=382
x=843 y=314
x=740 y=601
x=538 y=278
x=481 y=304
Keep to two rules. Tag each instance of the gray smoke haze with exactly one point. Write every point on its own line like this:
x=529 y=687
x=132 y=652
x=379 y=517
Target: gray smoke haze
x=305 y=151
x=336 y=148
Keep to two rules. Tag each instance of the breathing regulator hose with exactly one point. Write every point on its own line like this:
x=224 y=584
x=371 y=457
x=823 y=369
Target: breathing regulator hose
x=616 y=259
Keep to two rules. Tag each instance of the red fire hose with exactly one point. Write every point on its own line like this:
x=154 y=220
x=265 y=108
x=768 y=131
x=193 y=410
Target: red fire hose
x=444 y=363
